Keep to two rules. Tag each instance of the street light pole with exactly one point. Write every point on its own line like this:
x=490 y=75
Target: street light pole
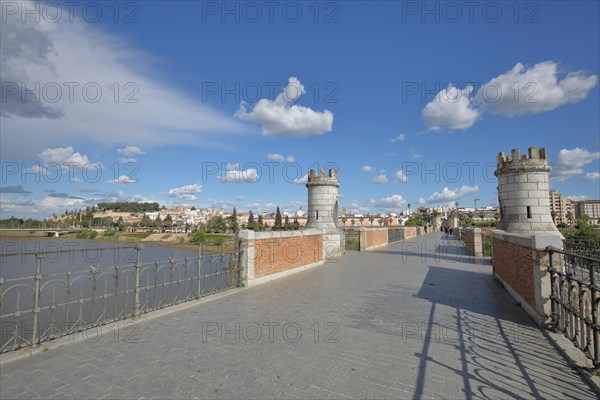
x=476 y=200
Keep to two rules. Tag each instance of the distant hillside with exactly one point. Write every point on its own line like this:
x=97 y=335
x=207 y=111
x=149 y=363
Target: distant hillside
x=129 y=207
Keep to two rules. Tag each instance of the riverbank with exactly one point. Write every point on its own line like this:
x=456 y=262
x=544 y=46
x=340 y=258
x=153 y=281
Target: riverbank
x=177 y=241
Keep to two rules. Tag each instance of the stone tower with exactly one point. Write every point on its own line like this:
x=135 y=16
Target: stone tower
x=523 y=192
x=323 y=210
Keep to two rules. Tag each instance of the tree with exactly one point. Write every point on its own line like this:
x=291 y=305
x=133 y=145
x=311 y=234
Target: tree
x=277 y=225
x=286 y=225
x=121 y=224
x=198 y=235
x=216 y=225
x=260 y=225
x=251 y=223
x=371 y=219
x=168 y=221
x=233 y=224
x=295 y=224
x=147 y=221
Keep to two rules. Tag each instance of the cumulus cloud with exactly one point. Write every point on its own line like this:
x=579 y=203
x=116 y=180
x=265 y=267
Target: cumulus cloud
x=452 y=195
x=301 y=181
x=187 y=192
x=389 y=203
x=283 y=118
x=123 y=180
x=451 y=108
x=401 y=177
x=533 y=90
x=368 y=168
x=382 y=178
x=147 y=110
x=400 y=138
x=592 y=176
x=571 y=162
x=520 y=91
x=66 y=157
x=14 y=189
x=235 y=175
x=131 y=151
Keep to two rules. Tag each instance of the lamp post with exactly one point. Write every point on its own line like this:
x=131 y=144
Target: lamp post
x=476 y=200
x=409 y=209
x=457 y=216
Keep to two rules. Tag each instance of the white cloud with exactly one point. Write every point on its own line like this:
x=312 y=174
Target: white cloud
x=123 y=180
x=520 y=91
x=451 y=195
x=280 y=157
x=533 y=90
x=592 y=176
x=368 y=168
x=281 y=118
x=380 y=179
x=389 y=203
x=187 y=192
x=400 y=138
x=66 y=157
x=276 y=157
x=451 y=108
x=76 y=51
x=577 y=198
x=401 y=177
x=235 y=175
x=416 y=156
x=571 y=162
x=301 y=181
x=131 y=151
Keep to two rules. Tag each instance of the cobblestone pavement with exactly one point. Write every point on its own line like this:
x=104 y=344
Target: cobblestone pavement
x=416 y=319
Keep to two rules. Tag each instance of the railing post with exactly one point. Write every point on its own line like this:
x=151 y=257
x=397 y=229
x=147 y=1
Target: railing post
x=595 y=303
x=199 y=269
x=553 y=300
x=36 y=300
x=137 y=308
x=240 y=254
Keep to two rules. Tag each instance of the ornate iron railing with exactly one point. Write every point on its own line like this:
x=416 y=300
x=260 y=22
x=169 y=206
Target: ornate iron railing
x=395 y=234
x=48 y=304
x=352 y=239
x=575 y=297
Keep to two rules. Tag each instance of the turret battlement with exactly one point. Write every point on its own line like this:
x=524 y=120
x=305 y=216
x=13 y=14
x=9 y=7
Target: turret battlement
x=523 y=192
x=533 y=161
x=329 y=179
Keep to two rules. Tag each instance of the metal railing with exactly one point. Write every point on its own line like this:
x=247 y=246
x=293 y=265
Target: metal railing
x=51 y=304
x=575 y=298
x=395 y=235
x=352 y=239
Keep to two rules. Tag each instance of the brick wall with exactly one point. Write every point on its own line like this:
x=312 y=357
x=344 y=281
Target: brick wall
x=375 y=238
x=471 y=237
x=270 y=255
x=513 y=262
x=274 y=255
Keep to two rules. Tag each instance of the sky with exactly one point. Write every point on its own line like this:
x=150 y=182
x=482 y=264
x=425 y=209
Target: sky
x=229 y=104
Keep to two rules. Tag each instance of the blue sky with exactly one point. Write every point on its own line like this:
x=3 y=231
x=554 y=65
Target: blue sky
x=410 y=102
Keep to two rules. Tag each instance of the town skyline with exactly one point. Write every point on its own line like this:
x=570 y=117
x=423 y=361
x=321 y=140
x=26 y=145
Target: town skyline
x=164 y=116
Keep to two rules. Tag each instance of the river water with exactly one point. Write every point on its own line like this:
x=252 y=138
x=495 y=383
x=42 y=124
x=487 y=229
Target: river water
x=84 y=283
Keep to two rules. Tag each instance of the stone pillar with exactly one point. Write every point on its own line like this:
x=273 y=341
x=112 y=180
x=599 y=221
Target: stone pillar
x=525 y=229
x=323 y=210
x=436 y=223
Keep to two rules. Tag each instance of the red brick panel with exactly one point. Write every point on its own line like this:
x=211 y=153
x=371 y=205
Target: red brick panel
x=376 y=238
x=469 y=240
x=514 y=264
x=281 y=254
